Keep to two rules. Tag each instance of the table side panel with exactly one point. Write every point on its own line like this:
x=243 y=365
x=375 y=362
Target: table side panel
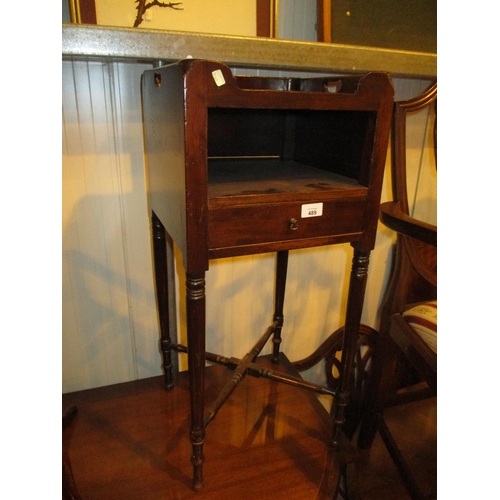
x=165 y=155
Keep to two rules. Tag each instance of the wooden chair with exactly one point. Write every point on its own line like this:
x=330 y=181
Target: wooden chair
x=408 y=327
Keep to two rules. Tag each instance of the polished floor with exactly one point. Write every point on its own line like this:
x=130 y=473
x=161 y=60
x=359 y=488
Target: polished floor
x=269 y=441
x=414 y=427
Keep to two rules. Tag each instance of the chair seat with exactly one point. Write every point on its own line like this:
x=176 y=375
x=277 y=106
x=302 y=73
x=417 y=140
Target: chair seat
x=414 y=333
x=423 y=319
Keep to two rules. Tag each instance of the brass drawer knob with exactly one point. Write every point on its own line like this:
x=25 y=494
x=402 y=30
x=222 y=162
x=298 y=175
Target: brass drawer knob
x=294 y=224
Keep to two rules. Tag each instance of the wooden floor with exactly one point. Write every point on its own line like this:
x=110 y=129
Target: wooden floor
x=269 y=441
x=414 y=427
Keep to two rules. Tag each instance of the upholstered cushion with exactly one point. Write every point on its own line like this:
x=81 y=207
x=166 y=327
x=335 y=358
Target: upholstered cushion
x=423 y=319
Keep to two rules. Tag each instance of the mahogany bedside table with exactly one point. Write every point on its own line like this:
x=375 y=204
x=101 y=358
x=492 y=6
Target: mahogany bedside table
x=244 y=165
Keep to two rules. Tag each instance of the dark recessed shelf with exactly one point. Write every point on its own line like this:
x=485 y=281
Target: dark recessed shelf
x=265 y=180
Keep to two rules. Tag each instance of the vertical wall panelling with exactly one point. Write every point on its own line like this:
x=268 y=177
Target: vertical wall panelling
x=109 y=319
x=239 y=302
x=127 y=116
x=90 y=205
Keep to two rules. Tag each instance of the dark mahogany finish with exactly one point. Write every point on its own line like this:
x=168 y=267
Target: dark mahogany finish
x=413 y=280
x=231 y=163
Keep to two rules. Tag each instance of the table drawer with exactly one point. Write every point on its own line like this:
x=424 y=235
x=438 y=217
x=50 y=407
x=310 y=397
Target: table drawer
x=271 y=222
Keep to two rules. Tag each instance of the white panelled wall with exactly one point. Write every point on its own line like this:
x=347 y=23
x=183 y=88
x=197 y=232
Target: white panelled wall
x=110 y=330
x=109 y=322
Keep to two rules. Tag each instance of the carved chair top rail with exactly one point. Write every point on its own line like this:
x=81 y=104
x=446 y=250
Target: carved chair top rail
x=401 y=108
x=419 y=102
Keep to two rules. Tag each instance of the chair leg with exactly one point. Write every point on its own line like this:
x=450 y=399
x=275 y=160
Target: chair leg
x=379 y=387
x=398 y=459
x=281 y=270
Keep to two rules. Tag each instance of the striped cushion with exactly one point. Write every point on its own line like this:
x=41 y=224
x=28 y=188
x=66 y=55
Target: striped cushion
x=423 y=319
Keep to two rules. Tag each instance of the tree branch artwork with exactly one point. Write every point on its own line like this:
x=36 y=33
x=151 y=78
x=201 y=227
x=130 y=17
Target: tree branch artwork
x=143 y=7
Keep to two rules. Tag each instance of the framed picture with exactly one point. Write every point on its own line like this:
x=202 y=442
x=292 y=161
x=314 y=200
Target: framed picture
x=379 y=23
x=244 y=18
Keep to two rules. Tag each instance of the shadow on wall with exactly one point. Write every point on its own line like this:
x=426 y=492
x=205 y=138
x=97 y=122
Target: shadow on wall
x=110 y=326
x=110 y=331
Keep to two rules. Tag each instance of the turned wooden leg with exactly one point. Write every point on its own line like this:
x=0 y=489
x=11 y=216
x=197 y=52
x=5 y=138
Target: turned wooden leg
x=161 y=277
x=281 y=269
x=195 y=305
x=357 y=286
